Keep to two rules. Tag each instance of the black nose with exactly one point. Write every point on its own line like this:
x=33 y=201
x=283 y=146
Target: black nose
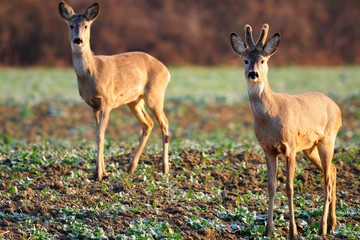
x=78 y=41
x=253 y=75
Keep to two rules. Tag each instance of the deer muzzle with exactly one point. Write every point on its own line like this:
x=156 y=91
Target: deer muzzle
x=252 y=75
x=78 y=40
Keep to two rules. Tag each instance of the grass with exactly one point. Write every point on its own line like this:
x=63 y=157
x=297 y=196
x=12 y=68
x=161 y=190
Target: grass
x=187 y=83
x=38 y=84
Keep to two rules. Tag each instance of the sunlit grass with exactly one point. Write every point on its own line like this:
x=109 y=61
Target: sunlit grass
x=32 y=85
x=188 y=84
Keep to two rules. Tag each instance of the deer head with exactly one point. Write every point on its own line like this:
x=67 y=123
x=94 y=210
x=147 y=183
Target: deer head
x=255 y=55
x=79 y=24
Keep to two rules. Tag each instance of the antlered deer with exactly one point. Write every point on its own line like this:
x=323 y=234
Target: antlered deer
x=106 y=82
x=285 y=124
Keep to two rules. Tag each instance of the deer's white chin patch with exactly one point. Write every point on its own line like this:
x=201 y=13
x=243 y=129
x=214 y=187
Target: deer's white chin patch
x=256 y=80
x=77 y=47
x=255 y=86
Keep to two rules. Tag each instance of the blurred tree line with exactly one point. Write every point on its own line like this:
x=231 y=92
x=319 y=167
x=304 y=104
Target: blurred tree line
x=322 y=32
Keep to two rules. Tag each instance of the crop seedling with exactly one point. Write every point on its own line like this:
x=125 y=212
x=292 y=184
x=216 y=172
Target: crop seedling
x=152 y=229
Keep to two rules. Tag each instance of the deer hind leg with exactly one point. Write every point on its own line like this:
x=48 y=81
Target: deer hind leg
x=164 y=125
x=326 y=151
x=138 y=109
x=332 y=220
x=313 y=155
x=290 y=173
x=154 y=99
x=271 y=162
x=102 y=119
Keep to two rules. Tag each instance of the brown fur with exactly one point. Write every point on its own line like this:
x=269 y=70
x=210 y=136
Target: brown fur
x=286 y=124
x=107 y=82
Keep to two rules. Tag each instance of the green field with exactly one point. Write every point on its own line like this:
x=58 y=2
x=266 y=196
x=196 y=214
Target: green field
x=187 y=83
x=216 y=188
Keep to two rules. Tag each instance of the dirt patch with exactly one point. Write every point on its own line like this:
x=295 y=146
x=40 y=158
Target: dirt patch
x=76 y=121
x=200 y=180
x=32 y=202
x=59 y=120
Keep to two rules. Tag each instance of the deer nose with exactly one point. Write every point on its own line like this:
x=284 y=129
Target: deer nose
x=253 y=75
x=78 y=40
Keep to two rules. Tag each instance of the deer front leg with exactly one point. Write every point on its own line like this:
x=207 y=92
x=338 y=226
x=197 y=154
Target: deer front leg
x=290 y=172
x=102 y=119
x=271 y=162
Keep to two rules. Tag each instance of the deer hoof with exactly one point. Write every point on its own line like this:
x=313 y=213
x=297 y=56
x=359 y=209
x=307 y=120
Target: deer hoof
x=131 y=169
x=322 y=231
x=100 y=175
x=332 y=225
x=97 y=176
x=166 y=169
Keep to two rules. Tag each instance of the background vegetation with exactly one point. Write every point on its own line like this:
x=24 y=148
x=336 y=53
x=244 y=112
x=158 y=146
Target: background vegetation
x=323 y=32
x=217 y=187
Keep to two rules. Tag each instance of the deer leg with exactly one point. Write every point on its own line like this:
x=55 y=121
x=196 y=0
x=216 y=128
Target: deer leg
x=290 y=172
x=97 y=117
x=138 y=109
x=154 y=99
x=332 y=220
x=313 y=155
x=271 y=162
x=326 y=151
x=102 y=119
x=164 y=124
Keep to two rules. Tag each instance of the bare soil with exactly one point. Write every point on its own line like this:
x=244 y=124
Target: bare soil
x=75 y=121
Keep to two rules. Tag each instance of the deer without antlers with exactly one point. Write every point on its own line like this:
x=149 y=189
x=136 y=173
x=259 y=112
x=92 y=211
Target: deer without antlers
x=106 y=82
x=285 y=124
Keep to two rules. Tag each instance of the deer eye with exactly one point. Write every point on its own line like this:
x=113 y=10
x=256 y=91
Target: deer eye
x=262 y=61
x=85 y=26
x=246 y=61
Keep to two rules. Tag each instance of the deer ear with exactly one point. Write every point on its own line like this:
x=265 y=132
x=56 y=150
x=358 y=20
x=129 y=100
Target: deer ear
x=238 y=45
x=92 y=12
x=66 y=12
x=272 y=44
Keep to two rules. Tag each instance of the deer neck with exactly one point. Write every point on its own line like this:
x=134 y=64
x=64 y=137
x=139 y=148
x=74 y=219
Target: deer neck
x=84 y=63
x=262 y=100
